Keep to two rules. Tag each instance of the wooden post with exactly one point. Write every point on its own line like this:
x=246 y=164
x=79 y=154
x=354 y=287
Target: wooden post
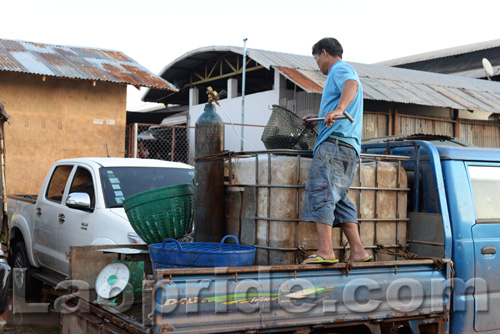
x=4 y=232
x=396 y=121
x=390 y=123
x=456 y=127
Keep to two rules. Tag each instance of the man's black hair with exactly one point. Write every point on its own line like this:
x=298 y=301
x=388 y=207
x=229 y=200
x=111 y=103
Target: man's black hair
x=331 y=46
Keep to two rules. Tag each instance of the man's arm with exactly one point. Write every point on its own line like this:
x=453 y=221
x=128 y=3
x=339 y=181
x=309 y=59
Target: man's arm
x=346 y=97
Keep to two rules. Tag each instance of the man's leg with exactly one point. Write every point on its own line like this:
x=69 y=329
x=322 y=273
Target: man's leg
x=358 y=252
x=325 y=247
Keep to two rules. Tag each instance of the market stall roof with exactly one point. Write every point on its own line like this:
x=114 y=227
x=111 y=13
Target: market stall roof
x=380 y=83
x=76 y=63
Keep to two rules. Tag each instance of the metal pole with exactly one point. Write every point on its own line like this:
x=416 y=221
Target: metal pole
x=136 y=131
x=243 y=92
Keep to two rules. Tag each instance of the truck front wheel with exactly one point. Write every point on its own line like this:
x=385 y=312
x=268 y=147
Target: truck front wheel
x=24 y=284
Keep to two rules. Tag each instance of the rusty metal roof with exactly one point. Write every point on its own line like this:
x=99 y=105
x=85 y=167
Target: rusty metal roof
x=380 y=83
x=310 y=81
x=76 y=63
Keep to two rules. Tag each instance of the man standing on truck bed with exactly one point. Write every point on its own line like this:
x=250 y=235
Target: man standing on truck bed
x=335 y=156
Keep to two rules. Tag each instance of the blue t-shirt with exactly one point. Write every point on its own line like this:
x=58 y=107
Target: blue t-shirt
x=342 y=129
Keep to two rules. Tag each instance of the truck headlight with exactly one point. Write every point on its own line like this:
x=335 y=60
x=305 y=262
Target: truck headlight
x=134 y=239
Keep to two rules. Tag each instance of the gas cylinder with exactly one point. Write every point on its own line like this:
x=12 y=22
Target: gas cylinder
x=209 y=177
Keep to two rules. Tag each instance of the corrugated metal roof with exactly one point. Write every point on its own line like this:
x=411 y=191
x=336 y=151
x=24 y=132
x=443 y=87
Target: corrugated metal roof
x=380 y=83
x=455 y=51
x=430 y=89
x=76 y=63
x=477 y=73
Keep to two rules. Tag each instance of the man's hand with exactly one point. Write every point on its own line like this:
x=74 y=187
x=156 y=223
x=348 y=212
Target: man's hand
x=330 y=115
x=309 y=124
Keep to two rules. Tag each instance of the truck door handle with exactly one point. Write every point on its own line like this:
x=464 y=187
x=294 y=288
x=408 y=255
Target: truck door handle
x=38 y=211
x=61 y=218
x=488 y=250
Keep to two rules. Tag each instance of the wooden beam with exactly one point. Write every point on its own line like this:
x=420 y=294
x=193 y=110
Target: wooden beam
x=231 y=65
x=204 y=80
x=428 y=118
x=484 y=123
x=213 y=68
x=209 y=71
x=366 y=112
x=199 y=76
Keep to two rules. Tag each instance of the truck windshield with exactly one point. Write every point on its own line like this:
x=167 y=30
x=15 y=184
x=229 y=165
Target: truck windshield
x=119 y=183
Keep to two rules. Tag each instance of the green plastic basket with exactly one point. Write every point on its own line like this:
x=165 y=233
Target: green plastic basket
x=161 y=213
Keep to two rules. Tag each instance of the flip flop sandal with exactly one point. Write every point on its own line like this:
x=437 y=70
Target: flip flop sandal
x=368 y=259
x=317 y=259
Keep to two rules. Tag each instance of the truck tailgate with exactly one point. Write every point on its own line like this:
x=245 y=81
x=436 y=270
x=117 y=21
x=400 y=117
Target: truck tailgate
x=263 y=297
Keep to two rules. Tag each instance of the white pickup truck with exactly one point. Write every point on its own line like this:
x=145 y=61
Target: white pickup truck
x=80 y=203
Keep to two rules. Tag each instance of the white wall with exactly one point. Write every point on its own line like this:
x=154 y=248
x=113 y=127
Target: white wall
x=476 y=115
x=257 y=112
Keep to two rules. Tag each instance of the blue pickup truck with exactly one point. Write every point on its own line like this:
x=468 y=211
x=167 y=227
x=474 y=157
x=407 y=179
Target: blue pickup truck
x=445 y=278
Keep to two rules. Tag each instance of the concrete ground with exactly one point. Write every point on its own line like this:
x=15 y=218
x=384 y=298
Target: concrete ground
x=31 y=323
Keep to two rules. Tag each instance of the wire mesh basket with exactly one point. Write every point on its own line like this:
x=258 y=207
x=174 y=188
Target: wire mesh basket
x=285 y=130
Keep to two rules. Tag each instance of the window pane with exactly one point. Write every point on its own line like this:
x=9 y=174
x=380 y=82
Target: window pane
x=58 y=182
x=486 y=188
x=82 y=183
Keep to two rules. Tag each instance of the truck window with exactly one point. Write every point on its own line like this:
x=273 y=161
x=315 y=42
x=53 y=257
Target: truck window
x=82 y=183
x=119 y=183
x=486 y=187
x=57 y=183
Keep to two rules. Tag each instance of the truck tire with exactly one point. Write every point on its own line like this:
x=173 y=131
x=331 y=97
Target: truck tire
x=23 y=283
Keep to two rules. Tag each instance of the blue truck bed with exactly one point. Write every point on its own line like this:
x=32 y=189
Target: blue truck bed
x=216 y=300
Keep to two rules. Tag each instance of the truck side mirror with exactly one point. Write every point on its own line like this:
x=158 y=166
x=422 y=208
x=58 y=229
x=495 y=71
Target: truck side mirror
x=78 y=201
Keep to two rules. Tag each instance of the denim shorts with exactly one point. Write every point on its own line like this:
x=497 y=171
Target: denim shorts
x=331 y=174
